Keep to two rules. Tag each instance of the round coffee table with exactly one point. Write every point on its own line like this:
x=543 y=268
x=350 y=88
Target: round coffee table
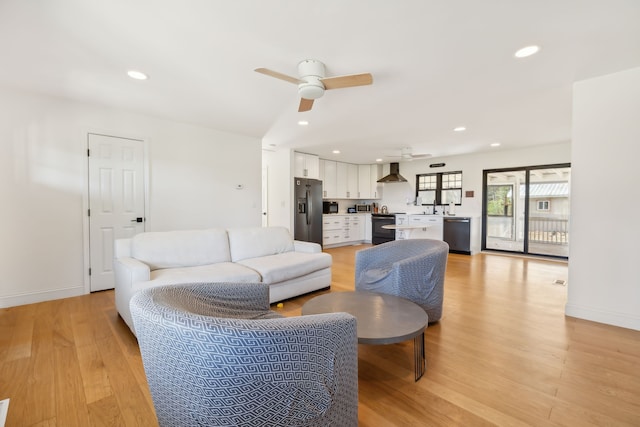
x=381 y=319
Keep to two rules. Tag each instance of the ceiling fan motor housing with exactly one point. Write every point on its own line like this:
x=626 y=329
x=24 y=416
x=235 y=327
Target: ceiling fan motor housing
x=311 y=71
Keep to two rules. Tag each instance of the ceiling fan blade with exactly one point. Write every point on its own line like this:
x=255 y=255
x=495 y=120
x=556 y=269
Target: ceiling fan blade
x=305 y=105
x=420 y=156
x=277 y=75
x=351 y=80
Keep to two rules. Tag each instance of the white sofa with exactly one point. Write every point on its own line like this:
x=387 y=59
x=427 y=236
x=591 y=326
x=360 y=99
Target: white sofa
x=246 y=255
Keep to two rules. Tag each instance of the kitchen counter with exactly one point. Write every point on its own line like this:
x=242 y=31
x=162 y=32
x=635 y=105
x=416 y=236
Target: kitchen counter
x=405 y=227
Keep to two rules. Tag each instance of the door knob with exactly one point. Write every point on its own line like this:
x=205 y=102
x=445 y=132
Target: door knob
x=139 y=219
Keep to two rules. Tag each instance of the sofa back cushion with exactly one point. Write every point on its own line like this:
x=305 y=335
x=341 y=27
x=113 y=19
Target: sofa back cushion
x=183 y=248
x=252 y=242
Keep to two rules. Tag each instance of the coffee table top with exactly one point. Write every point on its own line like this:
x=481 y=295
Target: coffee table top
x=381 y=318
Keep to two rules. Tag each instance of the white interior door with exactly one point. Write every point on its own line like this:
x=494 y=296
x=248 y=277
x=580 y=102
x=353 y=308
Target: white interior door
x=116 y=201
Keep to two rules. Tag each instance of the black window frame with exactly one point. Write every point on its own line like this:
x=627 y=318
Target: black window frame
x=439 y=186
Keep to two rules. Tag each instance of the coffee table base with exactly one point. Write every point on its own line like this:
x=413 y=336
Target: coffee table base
x=382 y=319
x=418 y=356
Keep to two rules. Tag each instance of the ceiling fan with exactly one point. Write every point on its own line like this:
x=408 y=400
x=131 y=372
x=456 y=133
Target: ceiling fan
x=312 y=81
x=406 y=154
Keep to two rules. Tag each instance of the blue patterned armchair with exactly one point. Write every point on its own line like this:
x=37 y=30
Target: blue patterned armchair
x=412 y=269
x=215 y=355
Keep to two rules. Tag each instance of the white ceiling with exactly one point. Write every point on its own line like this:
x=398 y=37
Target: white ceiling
x=435 y=64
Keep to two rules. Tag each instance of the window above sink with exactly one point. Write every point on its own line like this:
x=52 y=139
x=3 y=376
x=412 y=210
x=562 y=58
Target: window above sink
x=441 y=188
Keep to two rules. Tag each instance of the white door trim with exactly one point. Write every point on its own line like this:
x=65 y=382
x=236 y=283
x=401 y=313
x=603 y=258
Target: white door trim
x=84 y=146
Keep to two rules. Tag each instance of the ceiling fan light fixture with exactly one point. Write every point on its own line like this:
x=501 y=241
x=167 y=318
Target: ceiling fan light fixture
x=312 y=82
x=310 y=90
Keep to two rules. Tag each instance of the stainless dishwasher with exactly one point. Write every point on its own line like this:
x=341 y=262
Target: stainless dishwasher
x=457 y=233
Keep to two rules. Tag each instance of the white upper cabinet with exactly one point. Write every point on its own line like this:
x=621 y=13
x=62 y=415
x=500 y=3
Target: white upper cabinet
x=306 y=165
x=352 y=181
x=347 y=180
x=376 y=187
x=364 y=181
x=329 y=179
x=342 y=180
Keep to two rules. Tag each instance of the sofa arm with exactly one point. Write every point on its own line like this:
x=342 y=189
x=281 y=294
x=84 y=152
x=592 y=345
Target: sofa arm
x=129 y=271
x=306 y=247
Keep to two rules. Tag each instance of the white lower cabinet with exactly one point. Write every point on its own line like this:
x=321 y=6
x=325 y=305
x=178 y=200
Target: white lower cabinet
x=331 y=229
x=434 y=227
x=368 y=229
x=338 y=229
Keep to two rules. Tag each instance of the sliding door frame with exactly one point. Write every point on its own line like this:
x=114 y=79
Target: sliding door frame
x=527 y=170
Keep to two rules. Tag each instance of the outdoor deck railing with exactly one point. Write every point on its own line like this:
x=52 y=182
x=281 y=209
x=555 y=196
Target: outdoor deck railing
x=549 y=230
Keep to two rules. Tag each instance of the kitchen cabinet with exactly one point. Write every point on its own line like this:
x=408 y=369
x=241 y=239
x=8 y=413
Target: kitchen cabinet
x=332 y=229
x=376 y=188
x=347 y=180
x=339 y=229
x=306 y=165
x=329 y=179
x=342 y=180
x=433 y=227
x=364 y=181
x=402 y=220
x=352 y=181
x=356 y=228
x=368 y=231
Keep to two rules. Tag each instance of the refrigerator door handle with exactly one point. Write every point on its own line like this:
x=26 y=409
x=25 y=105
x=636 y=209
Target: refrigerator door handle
x=309 y=206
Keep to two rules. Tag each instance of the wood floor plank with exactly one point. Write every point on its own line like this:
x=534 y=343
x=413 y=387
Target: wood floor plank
x=19 y=335
x=503 y=354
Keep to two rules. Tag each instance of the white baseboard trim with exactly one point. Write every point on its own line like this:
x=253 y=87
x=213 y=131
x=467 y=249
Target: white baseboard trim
x=622 y=320
x=34 y=297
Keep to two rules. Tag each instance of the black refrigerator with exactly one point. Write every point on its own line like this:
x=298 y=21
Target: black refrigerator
x=307 y=210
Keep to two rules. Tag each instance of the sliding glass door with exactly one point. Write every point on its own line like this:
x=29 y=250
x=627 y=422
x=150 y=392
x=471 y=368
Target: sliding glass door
x=526 y=210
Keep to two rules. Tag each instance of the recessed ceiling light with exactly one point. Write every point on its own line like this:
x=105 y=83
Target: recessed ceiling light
x=138 y=75
x=459 y=129
x=336 y=151
x=378 y=160
x=495 y=144
x=303 y=122
x=527 y=51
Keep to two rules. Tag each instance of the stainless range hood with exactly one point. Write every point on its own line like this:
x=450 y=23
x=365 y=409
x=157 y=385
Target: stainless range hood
x=394 y=174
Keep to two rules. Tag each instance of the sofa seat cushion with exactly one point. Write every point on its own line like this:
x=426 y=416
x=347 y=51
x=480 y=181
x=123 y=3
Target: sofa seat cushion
x=280 y=267
x=182 y=248
x=220 y=272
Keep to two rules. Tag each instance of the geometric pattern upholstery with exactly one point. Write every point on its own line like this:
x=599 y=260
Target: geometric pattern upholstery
x=413 y=269
x=215 y=355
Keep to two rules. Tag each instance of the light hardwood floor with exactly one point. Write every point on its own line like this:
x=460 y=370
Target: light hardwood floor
x=503 y=354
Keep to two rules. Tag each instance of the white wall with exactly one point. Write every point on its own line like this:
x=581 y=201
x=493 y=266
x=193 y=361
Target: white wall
x=43 y=165
x=604 y=283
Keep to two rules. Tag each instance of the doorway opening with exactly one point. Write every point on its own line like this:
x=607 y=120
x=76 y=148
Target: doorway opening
x=525 y=210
